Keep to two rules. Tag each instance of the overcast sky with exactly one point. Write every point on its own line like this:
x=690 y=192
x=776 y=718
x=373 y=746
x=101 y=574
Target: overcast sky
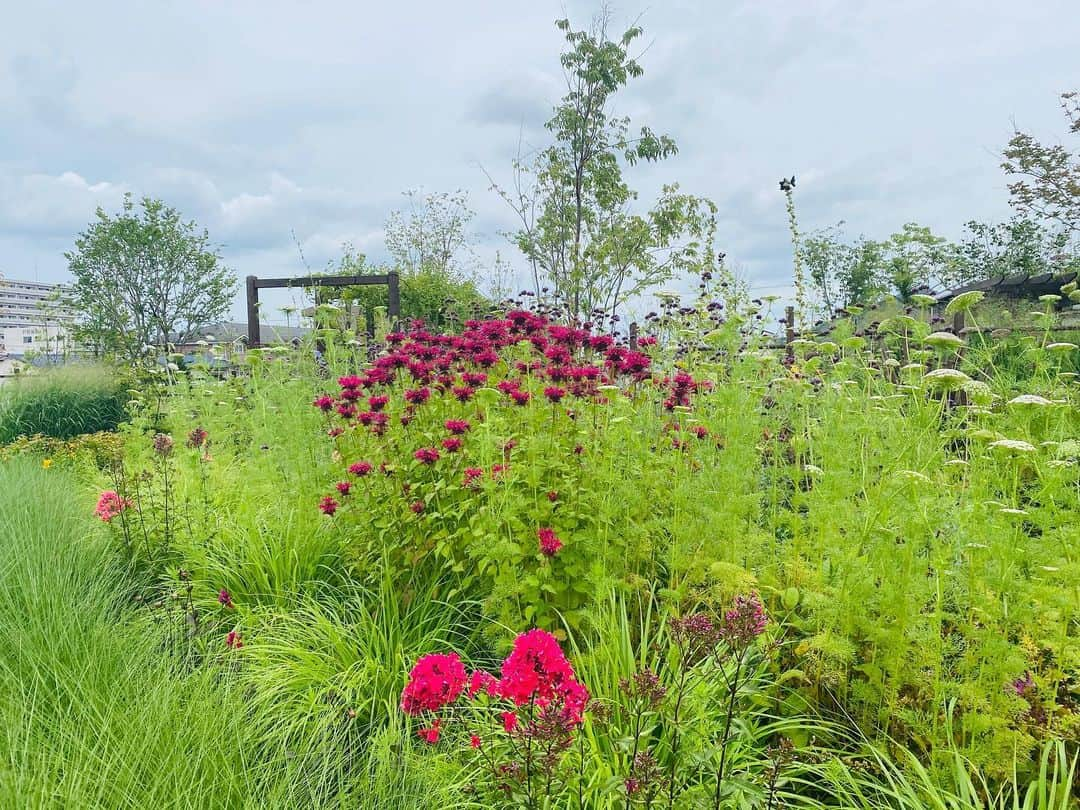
x=264 y=119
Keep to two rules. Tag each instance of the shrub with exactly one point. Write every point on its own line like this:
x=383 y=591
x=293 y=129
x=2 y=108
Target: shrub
x=62 y=403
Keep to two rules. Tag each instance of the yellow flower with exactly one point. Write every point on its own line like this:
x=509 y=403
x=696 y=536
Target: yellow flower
x=46 y=463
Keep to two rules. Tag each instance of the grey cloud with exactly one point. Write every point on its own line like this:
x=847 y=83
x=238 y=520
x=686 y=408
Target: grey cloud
x=516 y=102
x=887 y=113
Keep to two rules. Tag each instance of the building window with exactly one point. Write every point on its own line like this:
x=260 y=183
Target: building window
x=27 y=338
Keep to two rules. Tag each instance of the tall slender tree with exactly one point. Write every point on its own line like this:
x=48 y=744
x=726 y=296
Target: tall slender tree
x=579 y=230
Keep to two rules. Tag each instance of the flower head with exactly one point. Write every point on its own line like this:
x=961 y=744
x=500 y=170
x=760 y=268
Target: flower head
x=510 y=721
x=1021 y=686
x=360 y=469
x=549 y=543
x=537 y=671
x=426 y=455
x=480 y=681
x=744 y=622
x=435 y=681
x=457 y=426
x=110 y=504
x=197 y=438
x=225 y=598
x=233 y=640
x=430 y=734
x=554 y=393
x=328 y=505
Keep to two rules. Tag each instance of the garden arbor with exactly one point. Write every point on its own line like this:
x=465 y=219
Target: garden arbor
x=254 y=284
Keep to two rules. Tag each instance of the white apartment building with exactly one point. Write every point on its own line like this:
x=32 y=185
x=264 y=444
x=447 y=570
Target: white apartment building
x=35 y=318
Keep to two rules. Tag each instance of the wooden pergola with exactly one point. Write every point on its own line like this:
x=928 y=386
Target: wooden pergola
x=254 y=284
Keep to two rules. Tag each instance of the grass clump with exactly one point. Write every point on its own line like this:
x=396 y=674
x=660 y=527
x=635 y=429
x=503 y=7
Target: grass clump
x=62 y=403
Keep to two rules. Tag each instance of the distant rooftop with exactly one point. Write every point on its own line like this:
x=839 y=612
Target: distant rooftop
x=1021 y=285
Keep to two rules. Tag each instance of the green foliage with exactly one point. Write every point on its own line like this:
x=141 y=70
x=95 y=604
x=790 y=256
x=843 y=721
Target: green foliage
x=910 y=563
x=145 y=277
x=93 y=715
x=1019 y=246
x=915 y=257
x=62 y=402
x=427 y=292
x=842 y=274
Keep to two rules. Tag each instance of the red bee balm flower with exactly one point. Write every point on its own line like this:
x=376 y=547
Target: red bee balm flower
x=360 y=469
x=474 y=741
x=225 y=598
x=457 y=426
x=452 y=445
x=328 y=505
x=554 y=393
x=549 y=543
x=344 y=486
x=435 y=681
x=426 y=455
x=233 y=640
x=510 y=721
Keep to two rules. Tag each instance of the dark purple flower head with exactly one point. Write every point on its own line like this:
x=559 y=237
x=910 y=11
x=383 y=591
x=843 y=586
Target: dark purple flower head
x=1021 y=686
x=744 y=622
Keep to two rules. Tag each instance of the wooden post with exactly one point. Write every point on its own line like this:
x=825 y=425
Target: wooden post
x=253 y=312
x=393 y=309
x=633 y=335
x=958 y=323
x=789 y=330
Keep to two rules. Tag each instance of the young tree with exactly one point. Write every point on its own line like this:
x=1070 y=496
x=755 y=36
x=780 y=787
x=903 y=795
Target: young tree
x=578 y=228
x=915 y=257
x=439 y=299
x=431 y=249
x=1049 y=176
x=432 y=236
x=145 y=276
x=843 y=273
